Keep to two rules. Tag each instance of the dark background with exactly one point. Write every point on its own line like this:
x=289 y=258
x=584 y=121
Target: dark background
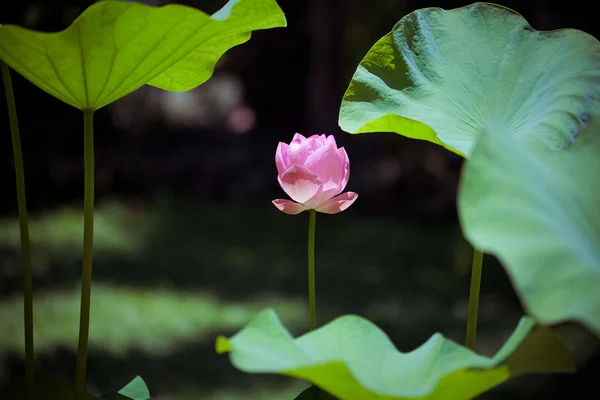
x=186 y=235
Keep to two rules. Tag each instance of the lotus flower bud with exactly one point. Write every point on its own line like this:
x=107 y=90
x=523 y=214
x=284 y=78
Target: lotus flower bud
x=313 y=172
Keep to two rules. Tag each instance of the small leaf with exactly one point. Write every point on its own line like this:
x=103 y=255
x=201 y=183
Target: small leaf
x=115 y=47
x=445 y=76
x=353 y=359
x=314 y=393
x=538 y=210
x=135 y=390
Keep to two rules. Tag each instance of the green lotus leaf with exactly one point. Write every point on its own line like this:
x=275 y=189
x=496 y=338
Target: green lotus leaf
x=538 y=210
x=115 y=47
x=446 y=75
x=351 y=358
x=134 y=390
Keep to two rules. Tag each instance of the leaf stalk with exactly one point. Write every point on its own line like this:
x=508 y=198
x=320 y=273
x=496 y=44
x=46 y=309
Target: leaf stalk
x=88 y=244
x=24 y=231
x=476 y=271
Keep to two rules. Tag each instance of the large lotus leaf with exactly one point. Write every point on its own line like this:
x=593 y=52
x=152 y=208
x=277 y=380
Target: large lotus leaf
x=115 y=47
x=444 y=76
x=538 y=210
x=353 y=359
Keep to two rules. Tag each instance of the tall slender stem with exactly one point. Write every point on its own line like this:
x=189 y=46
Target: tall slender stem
x=474 y=299
x=311 y=270
x=88 y=244
x=24 y=230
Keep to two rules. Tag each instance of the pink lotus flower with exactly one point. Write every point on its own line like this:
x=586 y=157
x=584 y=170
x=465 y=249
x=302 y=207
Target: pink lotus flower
x=313 y=172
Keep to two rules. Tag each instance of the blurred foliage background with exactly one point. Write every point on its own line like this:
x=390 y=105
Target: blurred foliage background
x=187 y=244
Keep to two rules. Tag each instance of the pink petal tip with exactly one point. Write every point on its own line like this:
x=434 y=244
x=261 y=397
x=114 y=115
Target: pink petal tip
x=288 y=207
x=338 y=203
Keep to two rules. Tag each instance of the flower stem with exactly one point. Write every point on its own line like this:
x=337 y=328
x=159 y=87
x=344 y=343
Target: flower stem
x=24 y=230
x=474 y=299
x=88 y=244
x=311 y=270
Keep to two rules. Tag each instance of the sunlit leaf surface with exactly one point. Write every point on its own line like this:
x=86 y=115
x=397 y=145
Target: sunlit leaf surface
x=446 y=75
x=115 y=47
x=353 y=359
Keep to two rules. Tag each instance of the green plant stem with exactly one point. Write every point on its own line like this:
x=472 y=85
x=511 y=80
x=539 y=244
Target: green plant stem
x=24 y=229
x=88 y=245
x=474 y=298
x=311 y=270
